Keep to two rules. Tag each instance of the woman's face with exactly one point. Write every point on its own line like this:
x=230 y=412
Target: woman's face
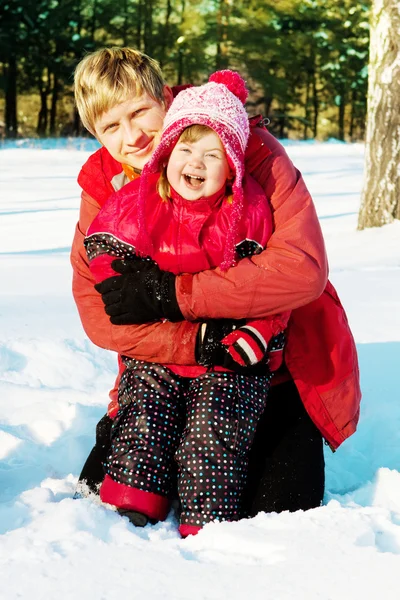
x=198 y=169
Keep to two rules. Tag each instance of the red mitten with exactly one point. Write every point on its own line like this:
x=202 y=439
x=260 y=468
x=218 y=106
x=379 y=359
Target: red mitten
x=249 y=344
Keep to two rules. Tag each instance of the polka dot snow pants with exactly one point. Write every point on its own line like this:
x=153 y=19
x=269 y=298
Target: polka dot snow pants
x=222 y=410
x=204 y=425
x=145 y=434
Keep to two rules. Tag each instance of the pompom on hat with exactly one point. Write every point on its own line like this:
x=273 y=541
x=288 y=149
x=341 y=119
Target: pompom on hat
x=218 y=104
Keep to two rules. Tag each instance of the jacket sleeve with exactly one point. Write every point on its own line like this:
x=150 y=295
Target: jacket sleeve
x=291 y=272
x=156 y=342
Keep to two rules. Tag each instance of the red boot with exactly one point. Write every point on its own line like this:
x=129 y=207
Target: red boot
x=186 y=530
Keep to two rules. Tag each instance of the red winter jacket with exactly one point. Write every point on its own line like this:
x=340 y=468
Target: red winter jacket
x=290 y=274
x=186 y=236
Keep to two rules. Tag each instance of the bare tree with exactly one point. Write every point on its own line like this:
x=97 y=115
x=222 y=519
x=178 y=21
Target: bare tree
x=380 y=197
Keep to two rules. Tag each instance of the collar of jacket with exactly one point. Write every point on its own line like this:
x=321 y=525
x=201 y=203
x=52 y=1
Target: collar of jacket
x=131 y=172
x=256 y=151
x=205 y=204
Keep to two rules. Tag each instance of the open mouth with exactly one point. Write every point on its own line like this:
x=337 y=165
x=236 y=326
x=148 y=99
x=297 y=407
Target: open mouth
x=194 y=181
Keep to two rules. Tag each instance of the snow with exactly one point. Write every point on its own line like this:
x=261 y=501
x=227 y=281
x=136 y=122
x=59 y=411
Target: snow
x=53 y=389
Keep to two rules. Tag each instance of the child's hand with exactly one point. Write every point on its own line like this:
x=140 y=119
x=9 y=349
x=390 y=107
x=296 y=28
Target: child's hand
x=142 y=293
x=253 y=343
x=210 y=352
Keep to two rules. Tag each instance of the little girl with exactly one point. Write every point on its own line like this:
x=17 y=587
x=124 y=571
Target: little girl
x=191 y=209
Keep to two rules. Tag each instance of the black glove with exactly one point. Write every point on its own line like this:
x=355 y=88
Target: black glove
x=141 y=294
x=210 y=352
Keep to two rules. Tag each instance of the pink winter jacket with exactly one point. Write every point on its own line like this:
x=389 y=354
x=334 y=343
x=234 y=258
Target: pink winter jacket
x=187 y=236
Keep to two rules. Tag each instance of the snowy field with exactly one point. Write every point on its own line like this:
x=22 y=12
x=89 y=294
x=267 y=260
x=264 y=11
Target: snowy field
x=53 y=389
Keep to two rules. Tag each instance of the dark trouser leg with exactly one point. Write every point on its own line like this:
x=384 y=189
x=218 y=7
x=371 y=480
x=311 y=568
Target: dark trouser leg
x=222 y=413
x=286 y=468
x=146 y=432
x=92 y=473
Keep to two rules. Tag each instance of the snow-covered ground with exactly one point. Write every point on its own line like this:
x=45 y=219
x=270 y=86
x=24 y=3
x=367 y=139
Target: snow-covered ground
x=53 y=390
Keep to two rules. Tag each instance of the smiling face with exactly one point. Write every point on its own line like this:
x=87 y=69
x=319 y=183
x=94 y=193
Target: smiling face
x=131 y=130
x=200 y=168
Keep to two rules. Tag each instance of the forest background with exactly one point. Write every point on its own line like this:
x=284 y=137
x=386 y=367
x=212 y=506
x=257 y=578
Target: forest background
x=306 y=62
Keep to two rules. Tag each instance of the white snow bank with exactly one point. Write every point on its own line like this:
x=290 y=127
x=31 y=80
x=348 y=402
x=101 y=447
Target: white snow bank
x=53 y=389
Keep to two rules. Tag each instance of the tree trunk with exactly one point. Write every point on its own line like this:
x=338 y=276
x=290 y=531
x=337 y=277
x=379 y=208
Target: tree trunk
x=315 y=102
x=43 y=116
x=179 y=78
x=267 y=104
x=148 y=27
x=93 y=22
x=381 y=191
x=54 y=100
x=43 y=112
x=77 y=128
x=221 y=59
x=342 y=110
x=124 y=32
x=306 y=108
x=282 y=123
x=139 y=25
x=352 y=115
x=180 y=43
x=165 y=37
x=11 y=99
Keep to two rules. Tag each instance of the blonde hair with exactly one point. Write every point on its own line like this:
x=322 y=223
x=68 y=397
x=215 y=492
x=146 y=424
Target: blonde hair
x=110 y=76
x=191 y=134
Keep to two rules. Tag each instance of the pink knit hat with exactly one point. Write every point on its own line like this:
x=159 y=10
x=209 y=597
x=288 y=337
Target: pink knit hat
x=217 y=104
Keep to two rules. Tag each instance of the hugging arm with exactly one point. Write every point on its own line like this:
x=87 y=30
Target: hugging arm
x=291 y=272
x=163 y=342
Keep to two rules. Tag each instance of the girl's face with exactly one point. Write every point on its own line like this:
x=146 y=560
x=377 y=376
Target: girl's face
x=198 y=169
